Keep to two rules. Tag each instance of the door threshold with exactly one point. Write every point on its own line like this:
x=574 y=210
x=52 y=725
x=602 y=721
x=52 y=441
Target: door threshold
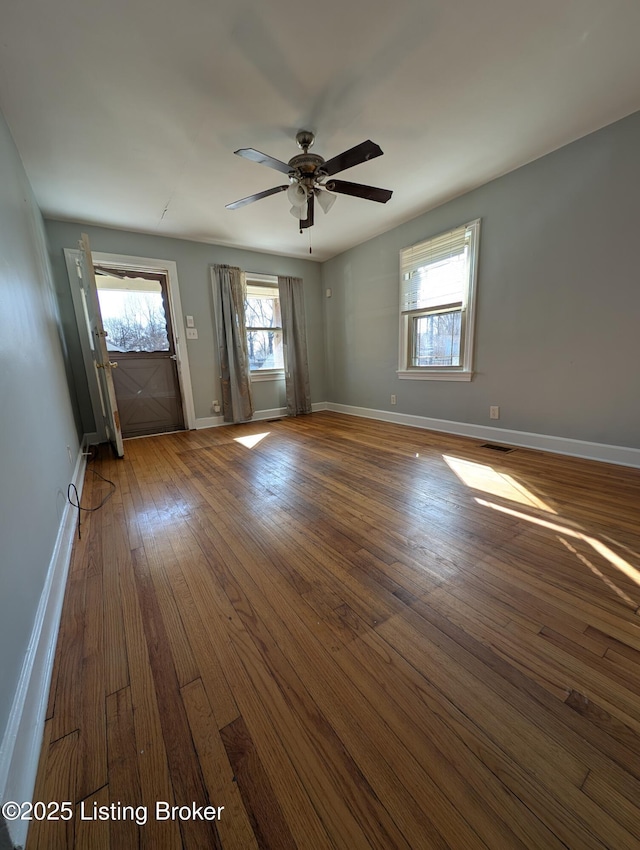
x=157 y=434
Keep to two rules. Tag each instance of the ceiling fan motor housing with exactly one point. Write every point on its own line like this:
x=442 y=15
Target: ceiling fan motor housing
x=306 y=165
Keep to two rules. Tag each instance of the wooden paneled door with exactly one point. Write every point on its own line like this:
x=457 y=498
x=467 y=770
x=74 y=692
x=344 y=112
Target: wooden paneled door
x=136 y=315
x=96 y=335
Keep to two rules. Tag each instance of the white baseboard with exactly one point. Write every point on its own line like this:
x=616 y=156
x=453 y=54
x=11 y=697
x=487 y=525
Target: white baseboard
x=217 y=421
x=210 y=422
x=621 y=455
x=20 y=748
x=559 y=445
x=274 y=413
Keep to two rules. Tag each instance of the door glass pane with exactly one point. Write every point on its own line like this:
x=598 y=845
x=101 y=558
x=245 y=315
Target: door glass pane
x=132 y=314
x=436 y=339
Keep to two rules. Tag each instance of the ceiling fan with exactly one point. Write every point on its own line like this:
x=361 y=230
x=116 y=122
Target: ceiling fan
x=311 y=176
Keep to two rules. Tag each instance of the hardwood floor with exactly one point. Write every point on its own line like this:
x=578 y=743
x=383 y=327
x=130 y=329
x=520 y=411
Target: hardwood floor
x=348 y=634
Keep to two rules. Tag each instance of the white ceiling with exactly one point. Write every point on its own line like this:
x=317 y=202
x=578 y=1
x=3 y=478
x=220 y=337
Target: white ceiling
x=127 y=112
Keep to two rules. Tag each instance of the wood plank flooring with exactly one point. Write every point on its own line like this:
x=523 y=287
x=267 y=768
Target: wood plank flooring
x=340 y=633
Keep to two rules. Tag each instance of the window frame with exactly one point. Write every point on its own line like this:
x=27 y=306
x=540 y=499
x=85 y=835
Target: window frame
x=270 y=281
x=463 y=372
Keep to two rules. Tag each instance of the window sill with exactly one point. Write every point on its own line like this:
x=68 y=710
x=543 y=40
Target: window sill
x=433 y=375
x=275 y=375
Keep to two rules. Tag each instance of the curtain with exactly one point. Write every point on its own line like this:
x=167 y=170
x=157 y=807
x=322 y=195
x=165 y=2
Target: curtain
x=228 y=301
x=294 y=337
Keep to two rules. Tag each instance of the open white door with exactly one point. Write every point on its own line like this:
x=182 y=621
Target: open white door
x=99 y=353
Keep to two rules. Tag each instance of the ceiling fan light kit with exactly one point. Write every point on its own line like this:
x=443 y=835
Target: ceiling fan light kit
x=300 y=212
x=297 y=195
x=308 y=173
x=325 y=199
x=299 y=199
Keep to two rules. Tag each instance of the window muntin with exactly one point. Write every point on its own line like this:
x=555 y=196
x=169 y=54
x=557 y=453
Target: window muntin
x=437 y=302
x=264 y=326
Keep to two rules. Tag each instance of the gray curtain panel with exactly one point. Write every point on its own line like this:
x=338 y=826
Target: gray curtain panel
x=294 y=337
x=228 y=301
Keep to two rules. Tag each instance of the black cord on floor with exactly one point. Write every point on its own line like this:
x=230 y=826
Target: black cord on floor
x=72 y=488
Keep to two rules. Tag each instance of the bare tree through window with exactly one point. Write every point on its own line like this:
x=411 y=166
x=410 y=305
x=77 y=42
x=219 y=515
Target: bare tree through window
x=135 y=322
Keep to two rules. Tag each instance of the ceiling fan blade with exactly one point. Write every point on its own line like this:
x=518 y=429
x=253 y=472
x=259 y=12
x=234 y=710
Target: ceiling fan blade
x=308 y=221
x=358 y=190
x=354 y=156
x=251 y=198
x=263 y=159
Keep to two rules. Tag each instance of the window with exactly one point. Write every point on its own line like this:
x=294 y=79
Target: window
x=264 y=327
x=437 y=306
x=133 y=312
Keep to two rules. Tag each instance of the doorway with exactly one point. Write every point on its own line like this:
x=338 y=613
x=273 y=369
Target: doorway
x=135 y=313
x=150 y=390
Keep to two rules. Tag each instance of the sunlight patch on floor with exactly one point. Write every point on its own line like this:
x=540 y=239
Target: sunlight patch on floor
x=615 y=559
x=480 y=476
x=601 y=548
x=596 y=572
x=251 y=440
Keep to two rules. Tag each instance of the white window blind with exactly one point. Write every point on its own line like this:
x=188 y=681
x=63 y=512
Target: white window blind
x=262 y=291
x=435 y=272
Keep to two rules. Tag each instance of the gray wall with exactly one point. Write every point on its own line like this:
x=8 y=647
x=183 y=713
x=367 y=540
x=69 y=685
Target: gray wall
x=36 y=418
x=558 y=323
x=193 y=260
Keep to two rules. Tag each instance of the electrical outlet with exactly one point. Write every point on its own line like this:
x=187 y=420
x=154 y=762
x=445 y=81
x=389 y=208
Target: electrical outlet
x=394 y=399
x=215 y=405
x=192 y=333
x=494 y=412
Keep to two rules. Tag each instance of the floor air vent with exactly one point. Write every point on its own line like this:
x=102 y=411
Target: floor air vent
x=495 y=448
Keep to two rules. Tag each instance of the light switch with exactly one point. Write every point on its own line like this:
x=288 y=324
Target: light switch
x=190 y=322
x=192 y=333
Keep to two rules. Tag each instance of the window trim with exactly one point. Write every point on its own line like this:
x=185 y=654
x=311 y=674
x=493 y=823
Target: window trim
x=258 y=375
x=464 y=372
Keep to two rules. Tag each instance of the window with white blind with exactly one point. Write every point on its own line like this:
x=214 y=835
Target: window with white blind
x=437 y=305
x=264 y=327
